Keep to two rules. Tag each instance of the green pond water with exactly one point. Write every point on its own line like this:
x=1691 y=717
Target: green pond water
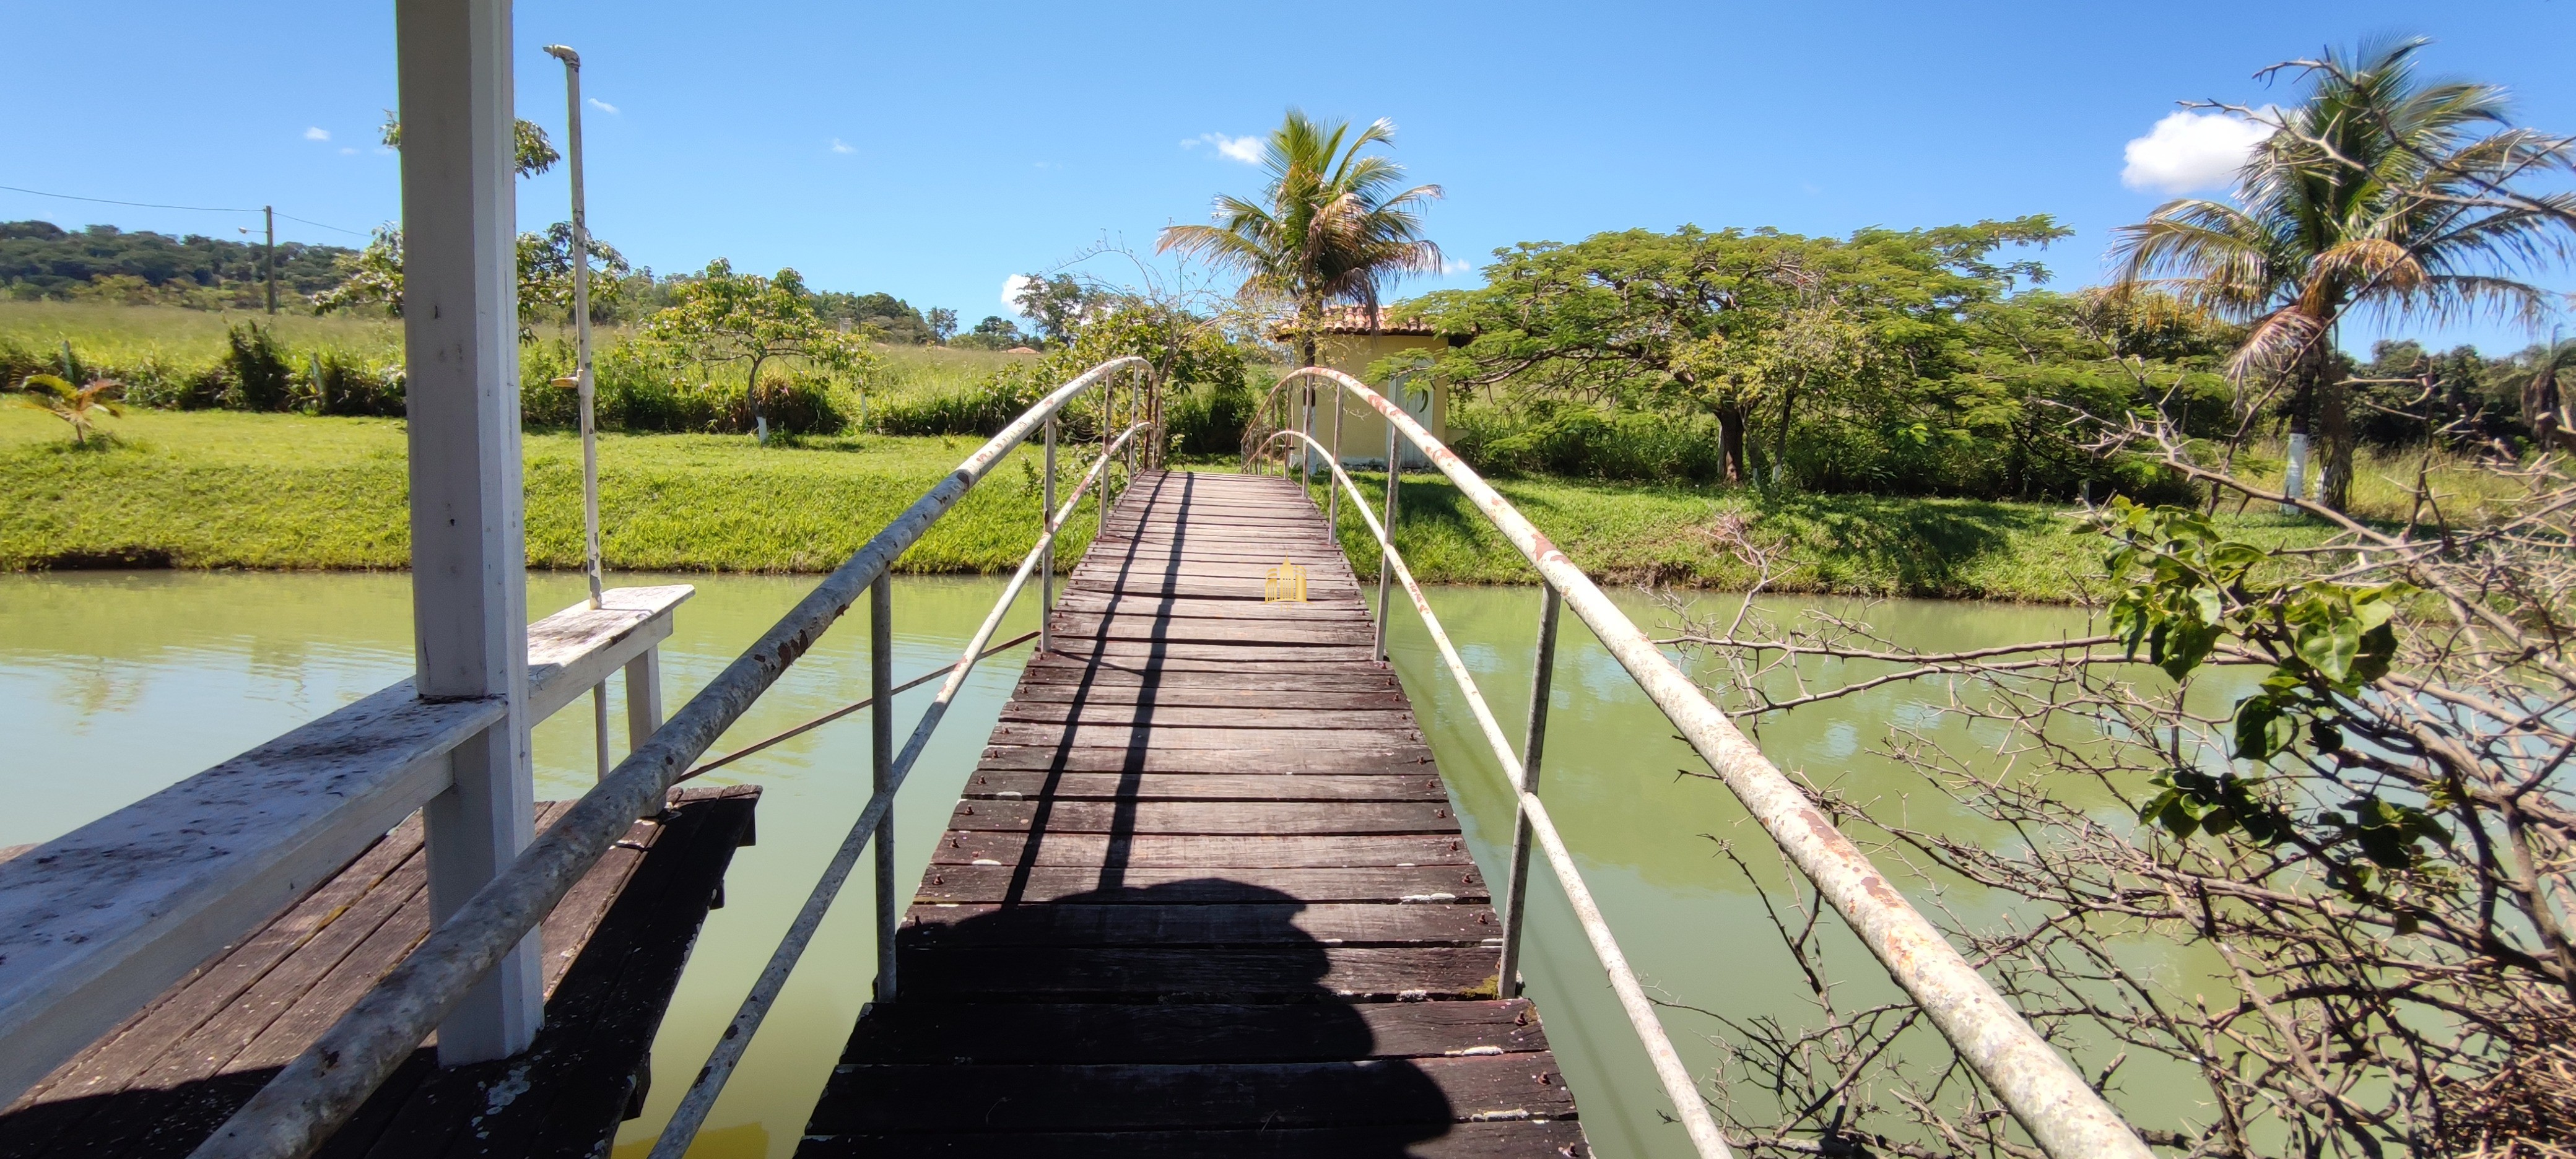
x=113 y=685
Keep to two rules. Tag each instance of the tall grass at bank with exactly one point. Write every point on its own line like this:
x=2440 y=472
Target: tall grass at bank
x=1866 y=545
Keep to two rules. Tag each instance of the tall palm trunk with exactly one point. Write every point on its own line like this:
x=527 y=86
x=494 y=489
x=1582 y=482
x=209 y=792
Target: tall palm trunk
x=2334 y=428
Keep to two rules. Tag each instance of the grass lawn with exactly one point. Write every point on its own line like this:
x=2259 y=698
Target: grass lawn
x=215 y=489
x=221 y=489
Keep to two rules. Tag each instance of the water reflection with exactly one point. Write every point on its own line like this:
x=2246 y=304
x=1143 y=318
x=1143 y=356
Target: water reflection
x=113 y=685
x=1646 y=824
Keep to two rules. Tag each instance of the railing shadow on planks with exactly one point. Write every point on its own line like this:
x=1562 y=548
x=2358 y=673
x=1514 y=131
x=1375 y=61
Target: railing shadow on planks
x=297 y=1111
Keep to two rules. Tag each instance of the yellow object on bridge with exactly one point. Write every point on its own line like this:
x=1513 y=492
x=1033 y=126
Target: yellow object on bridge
x=1285 y=583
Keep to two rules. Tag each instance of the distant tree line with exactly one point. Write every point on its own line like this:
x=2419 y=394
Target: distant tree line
x=39 y=259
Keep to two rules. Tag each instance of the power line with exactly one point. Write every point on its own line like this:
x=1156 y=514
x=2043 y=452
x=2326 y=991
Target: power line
x=334 y=228
x=190 y=208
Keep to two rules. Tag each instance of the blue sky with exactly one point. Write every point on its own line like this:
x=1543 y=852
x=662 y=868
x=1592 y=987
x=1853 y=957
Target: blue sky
x=933 y=150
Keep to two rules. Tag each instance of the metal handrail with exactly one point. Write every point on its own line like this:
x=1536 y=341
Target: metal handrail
x=298 y=1109
x=682 y=1129
x=2064 y=1114
x=1669 y=1070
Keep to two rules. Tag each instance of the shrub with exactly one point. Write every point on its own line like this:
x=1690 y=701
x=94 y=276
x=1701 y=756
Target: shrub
x=347 y=386
x=982 y=409
x=1208 y=418
x=1575 y=441
x=256 y=374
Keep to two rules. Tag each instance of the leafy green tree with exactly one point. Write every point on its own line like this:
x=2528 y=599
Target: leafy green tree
x=370 y=277
x=532 y=153
x=993 y=333
x=1336 y=227
x=720 y=316
x=943 y=324
x=374 y=277
x=885 y=317
x=546 y=277
x=39 y=258
x=2377 y=190
x=1720 y=323
x=1055 y=306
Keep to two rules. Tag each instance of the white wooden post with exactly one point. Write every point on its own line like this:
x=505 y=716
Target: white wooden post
x=469 y=565
x=643 y=698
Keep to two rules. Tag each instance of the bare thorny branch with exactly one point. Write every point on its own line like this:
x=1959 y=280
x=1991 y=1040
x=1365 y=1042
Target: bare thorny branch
x=2368 y=945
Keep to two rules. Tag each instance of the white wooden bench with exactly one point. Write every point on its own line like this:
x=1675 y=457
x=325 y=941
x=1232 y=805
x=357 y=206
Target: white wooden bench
x=96 y=922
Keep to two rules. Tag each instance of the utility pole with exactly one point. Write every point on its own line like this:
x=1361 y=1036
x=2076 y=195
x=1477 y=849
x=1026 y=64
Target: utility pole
x=270 y=212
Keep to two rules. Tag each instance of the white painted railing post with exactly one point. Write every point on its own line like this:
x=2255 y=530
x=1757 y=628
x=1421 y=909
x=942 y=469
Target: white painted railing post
x=643 y=697
x=1385 y=573
x=1533 y=749
x=469 y=594
x=1046 y=527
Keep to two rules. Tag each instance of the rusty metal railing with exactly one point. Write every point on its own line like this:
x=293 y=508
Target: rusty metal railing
x=2064 y=1114
x=1687 y=1104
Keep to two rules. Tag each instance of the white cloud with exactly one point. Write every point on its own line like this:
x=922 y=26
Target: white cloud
x=1456 y=265
x=600 y=105
x=1011 y=287
x=841 y=146
x=2188 y=151
x=346 y=151
x=1244 y=149
x=317 y=133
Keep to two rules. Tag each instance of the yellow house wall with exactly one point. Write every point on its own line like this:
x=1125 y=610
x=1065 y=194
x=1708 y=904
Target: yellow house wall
x=1363 y=438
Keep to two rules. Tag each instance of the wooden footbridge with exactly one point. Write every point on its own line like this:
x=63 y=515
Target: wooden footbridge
x=1205 y=892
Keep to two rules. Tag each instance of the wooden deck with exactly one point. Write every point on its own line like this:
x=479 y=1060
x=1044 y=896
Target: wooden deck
x=1205 y=893
x=159 y=1084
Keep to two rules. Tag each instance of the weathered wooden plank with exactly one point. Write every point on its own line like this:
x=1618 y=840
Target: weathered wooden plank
x=1037 y=1032
x=1176 y=655
x=576 y=1079
x=1132 y=1095
x=1245 y=587
x=1186 y=817
x=1159 y=715
x=1075 y=626
x=112 y=1063
x=1246 y=677
x=1403 y=759
x=1185 y=736
x=1534 y=1139
x=1043 y=691
x=1437 y=884
x=575 y=649
x=1291 y=974
x=1030 y=784
x=1170 y=926
x=1211 y=855
x=97 y=922
x=600 y=1017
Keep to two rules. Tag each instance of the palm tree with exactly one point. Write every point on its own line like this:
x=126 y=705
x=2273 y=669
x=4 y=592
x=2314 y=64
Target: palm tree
x=1336 y=230
x=2380 y=190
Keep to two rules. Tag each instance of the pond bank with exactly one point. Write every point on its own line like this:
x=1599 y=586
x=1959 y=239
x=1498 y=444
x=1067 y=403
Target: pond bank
x=211 y=490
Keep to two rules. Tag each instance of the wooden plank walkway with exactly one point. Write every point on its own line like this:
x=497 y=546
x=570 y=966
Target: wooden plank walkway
x=1205 y=893
x=159 y=1084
